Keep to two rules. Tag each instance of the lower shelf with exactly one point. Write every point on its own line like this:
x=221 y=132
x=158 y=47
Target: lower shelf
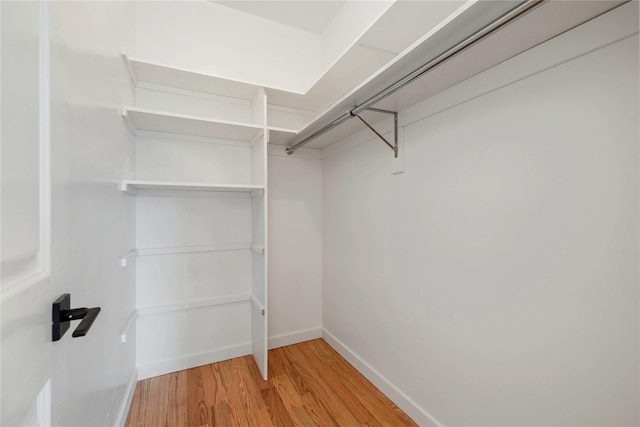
x=141 y=188
x=187 y=305
x=259 y=249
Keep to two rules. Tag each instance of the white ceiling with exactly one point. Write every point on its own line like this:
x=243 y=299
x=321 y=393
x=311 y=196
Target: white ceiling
x=308 y=15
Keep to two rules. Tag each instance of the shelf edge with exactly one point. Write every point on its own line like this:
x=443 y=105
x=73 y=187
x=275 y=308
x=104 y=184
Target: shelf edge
x=193 y=249
x=189 y=305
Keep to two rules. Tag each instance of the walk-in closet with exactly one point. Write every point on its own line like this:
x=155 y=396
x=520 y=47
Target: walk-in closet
x=299 y=213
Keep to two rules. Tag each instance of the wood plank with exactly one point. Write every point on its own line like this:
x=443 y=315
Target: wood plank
x=222 y=415
x=256 y=412
x=178 y=390
x=338 y=386
x=317 y=391
x=303 y=415
x=314 y=409
x=231 y=380
x=218 y=389
x=159 y=398
x=276 y=367
x=353 y=389
x=361 y=386
x=254 y=373
x=278 y=412
x=310 y=384
x=292 y=400
x=204 y=391
x=139 y=405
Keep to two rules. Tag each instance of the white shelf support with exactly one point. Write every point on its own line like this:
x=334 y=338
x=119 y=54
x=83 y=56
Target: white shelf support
x=258 y=249
x=258 y=193
x=130 y=322
x=127 y=117
x=125 y=259
x=258 y=304
x=258 y=137
x=126 y=188
x=129 y=66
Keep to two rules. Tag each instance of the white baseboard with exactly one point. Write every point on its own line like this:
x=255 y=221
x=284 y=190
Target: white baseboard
x=192 y=360
x=126 y=403
x=397 y=396
x=294 y=337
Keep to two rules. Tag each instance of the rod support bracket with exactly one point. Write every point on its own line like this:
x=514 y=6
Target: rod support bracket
x=394 y=146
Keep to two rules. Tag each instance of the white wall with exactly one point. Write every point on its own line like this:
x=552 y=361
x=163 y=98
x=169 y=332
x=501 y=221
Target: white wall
x=93 y=223
x=495 y=282
x=295 y=249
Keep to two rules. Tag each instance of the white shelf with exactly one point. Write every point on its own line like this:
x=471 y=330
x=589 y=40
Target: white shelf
x=143 y=119
x=136 y=187
x=194 y=249
x=200 y=248
x=280 y=136
x=188 y=305
x=142 y=70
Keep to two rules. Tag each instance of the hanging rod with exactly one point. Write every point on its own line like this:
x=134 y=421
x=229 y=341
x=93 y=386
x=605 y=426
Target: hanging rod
x=503 y=20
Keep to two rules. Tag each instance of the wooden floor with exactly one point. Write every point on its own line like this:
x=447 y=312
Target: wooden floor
x=309 y=385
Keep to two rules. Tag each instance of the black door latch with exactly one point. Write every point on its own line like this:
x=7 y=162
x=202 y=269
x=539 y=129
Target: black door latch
x=63 y=314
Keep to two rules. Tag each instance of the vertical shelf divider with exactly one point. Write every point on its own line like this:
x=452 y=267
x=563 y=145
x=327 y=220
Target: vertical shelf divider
x=259 y=309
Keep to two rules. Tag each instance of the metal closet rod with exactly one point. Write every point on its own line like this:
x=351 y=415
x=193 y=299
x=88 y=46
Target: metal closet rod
x=517 y=11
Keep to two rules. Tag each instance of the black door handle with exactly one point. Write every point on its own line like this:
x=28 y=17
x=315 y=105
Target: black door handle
x=63 y=314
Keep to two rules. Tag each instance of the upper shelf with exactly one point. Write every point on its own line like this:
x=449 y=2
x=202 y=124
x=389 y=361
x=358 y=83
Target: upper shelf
x=142 y=70
x=281 y=136
x=136 y=186
x=142 y=119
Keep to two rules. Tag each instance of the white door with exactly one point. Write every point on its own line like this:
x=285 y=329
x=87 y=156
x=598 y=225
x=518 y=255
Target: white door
x=26 y=288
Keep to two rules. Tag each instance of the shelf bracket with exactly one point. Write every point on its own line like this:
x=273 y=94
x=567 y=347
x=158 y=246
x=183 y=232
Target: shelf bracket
x=393 y=146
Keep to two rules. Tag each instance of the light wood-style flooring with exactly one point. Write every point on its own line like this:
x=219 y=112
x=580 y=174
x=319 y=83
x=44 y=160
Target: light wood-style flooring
x=309 y=384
